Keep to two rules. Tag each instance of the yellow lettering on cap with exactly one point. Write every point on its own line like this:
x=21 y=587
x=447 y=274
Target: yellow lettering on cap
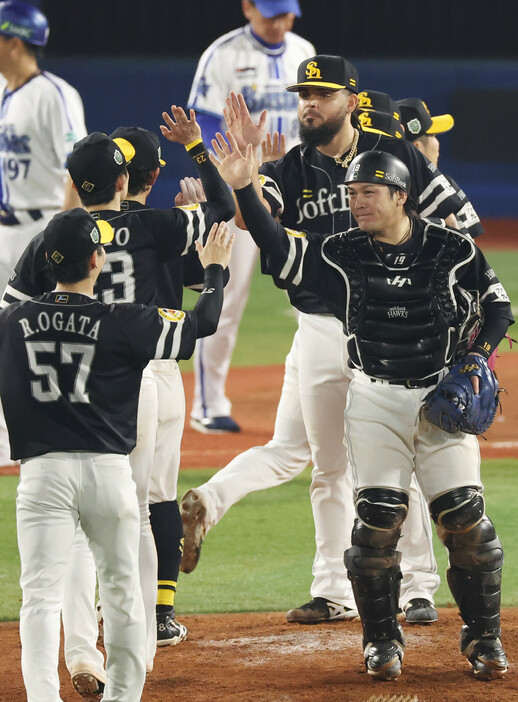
x=365 y=119
x=312 y=71
x=380 y=174
x=364 y=100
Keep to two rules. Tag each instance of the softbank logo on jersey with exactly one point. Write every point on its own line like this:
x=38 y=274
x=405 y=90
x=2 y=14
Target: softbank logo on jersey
x=325 y=202
x=399 y=281
x=11 y=142
x=397 y=311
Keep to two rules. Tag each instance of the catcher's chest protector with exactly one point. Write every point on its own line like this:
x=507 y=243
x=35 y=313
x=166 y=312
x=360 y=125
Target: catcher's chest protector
x=402 y=316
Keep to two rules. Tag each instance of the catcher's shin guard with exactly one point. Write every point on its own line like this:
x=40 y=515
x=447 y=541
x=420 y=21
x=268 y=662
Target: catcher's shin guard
x=476 y=559
x=477 y=594
x=375 y=578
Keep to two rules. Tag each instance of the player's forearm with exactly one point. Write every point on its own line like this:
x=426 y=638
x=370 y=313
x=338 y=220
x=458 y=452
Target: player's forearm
x=216 y=190
x=493 y=331
x=209 y=304
x=257 y=219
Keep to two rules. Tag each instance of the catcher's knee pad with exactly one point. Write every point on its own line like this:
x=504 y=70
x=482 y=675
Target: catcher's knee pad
x=458 y=510
x=382 y=509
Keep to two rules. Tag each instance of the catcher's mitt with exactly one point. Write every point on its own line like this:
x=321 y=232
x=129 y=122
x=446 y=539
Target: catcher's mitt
x=453 y=406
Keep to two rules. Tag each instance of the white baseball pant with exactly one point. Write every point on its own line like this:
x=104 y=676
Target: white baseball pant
x=55 y=493
x=309 y=422
x=79 y=616
x=403 y=442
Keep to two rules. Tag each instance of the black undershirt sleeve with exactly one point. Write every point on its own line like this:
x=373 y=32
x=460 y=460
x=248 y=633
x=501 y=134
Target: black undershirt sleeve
x=209 y=304
x=259 y=222
x=216 y=190
x=491 y=334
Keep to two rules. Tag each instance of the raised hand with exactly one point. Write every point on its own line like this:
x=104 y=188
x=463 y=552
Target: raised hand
x=179 y=128
x=191 y=192
x=273 y=147
x=218 y=246
x=240 y=123
x=235 y=168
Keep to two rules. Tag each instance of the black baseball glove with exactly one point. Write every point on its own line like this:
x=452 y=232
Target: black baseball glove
x=453 y=405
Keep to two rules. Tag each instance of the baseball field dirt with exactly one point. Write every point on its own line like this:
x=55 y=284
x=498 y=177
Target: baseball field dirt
x=261 y=658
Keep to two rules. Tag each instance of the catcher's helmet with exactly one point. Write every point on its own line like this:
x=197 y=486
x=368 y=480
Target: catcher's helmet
x=379 y=167
x=19 y=19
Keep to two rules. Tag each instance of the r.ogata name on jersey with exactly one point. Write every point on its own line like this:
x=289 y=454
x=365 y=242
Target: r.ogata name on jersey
x=73 y=323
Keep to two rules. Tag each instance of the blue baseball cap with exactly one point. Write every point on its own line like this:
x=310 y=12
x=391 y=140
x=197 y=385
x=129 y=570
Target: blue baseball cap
x=272 y=8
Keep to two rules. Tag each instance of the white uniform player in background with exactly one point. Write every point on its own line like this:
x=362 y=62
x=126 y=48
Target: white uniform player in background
x=41 y=117
x=257 y=60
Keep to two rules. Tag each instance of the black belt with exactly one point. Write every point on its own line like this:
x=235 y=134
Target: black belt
x=9 y=219
x=410 y=383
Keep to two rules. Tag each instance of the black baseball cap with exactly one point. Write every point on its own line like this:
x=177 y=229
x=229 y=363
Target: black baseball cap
x=417 y=120
x=325 y=71
x=148 y=154
x=374 y=101
x=74 y=235
x=97 y=161
x=379 y=123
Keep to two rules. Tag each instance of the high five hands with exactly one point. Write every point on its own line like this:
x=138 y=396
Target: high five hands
x=180 y=128
x=234 y=167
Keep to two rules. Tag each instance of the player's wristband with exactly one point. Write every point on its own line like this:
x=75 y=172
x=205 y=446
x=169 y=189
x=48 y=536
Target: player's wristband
x=192 y=144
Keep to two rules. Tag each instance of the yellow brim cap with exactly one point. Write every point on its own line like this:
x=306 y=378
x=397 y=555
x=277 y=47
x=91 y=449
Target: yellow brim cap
x=105 y=228
x=313 y=84
x=126 y=147
x=441 y=123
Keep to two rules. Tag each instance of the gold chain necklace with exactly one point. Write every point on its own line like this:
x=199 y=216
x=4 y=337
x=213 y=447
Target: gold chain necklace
x=344 y=162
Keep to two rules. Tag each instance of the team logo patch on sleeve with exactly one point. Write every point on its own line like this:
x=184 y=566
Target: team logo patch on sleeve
x=293 y=232
x=262 y=179
x=196 y=206
x=171 y=315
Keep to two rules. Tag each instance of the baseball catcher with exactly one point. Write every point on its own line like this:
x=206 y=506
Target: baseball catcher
x=466 y=399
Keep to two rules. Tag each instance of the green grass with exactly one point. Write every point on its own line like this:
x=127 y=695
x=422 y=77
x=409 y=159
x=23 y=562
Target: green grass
x=258 y=558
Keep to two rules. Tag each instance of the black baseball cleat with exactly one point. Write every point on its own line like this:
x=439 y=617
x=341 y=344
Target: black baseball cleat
x=194 y=512
x=420 y=611
x=485 y=655
x=320 y=610
x=169 y=631
x=383 y=659
x=87 y=685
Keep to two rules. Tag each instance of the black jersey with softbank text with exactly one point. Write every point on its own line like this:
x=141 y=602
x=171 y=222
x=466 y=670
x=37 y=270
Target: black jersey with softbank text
x=71 y=366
